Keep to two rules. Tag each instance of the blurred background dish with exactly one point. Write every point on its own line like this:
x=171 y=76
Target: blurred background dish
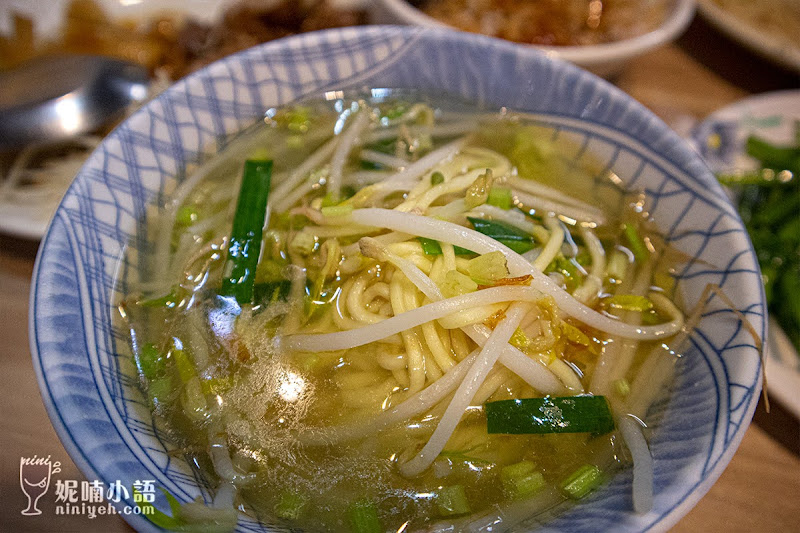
x=769 y=27
x=769 y=202
x=56 y=97
x=169 y=38
x=602 y=37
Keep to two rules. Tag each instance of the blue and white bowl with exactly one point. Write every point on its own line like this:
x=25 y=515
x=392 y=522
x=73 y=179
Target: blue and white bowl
x=86 y=377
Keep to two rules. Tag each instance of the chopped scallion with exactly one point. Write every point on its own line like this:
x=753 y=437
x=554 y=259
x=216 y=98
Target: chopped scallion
x=184 y=364
x=452 y=500
x=582 y=482
x=629 y=302
x=622 y=387
x=519 y=339
x=159 y=390
x=186 y=216
x=488 y=267
x=521 y=480
x=636 y=243
x=574 y=334
x=455 y=284
x=501 y=197
x=364 y=517
x=340 y=210
x=150 y=361
x=154 y=515
x=303 y=244
x=290 y=505
x=168 y=300
x=328 y=200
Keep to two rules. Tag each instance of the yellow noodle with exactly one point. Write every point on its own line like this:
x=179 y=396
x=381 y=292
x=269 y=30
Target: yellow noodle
x=401 y=375
x=372 y=396
x=449 y=256
x=433 y=370
x=460 y=343
x=391 y=360
x=355 y=304
x=444 y=337
x=566 y=374
x=338 y=309
x=496 y=378
x=439 y=352
x=358 y=380
x=471 y=316
x=437 y=270
x=414 y=359
x=379 y=289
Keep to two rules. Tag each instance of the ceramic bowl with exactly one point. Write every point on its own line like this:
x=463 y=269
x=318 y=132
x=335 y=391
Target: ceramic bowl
x=81 y=357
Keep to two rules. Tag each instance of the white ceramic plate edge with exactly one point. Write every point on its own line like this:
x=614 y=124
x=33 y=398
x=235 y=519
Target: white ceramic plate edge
x=782 y=360
x=776 y=50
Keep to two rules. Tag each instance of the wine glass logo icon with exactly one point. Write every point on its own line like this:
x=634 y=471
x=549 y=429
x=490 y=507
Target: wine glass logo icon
x=34 y=480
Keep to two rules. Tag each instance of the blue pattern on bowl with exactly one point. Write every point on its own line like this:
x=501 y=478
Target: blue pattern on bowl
x=87 y=379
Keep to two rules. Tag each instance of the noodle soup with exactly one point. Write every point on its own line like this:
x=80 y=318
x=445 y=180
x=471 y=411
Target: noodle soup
x=399 y=314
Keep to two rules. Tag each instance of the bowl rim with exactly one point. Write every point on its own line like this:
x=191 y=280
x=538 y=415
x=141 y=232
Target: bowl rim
x=674 y=24
x=664 y=522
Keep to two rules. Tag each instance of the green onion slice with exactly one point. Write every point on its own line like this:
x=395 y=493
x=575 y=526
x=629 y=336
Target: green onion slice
x=248 y=225
x=514 y=238
x=432 y=247
x=568 y=414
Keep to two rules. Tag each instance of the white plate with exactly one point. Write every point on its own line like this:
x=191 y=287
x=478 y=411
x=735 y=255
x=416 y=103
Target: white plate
x=26 y=211
x=720 y=139
x=751 y=35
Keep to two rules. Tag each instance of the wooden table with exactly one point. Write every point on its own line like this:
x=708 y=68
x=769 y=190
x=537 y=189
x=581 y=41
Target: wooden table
x=760 y=489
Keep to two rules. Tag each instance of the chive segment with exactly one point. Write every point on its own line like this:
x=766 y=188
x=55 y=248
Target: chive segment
x=432 y=247
x=514 y=238
x=248 y=226
x=567 y=414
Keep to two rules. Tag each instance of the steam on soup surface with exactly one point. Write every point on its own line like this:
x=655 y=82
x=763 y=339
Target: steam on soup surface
x=376 y=314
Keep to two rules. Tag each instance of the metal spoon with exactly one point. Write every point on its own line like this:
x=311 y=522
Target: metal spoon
x=56 y=97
